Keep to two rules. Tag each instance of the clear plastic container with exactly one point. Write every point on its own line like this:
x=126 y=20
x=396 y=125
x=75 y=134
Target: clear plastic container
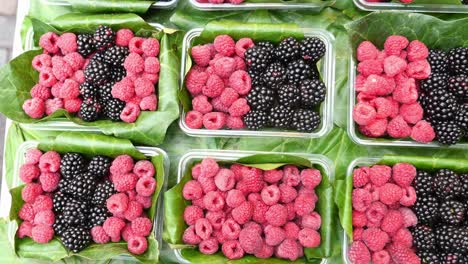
x=358 y=138
x=147 y=151
x=327 y=70
x=433 y=8
x=232 y=155
x=158 y=5
x=252 y=6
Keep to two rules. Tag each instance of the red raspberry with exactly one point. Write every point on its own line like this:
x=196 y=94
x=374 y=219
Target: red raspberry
x=366 y=51
x=70 y=89
x=216 y=219
x=213 y=201
x=243 y=213
x=99 y=235
x=277 y=215
x=150 y=47
x=26 y=212
x=117 y=203
x=394 y=65
x=225 y=180
x=360 y=177
x=130 y=113
x=30 y=192
x=60 y=69
x=134 y=210
x=52 y=105
x=194 y=119
x=145 y=201
x=380 y=174
x=291 y=211
x=48 y=42
x=288 y=193
x=250 y=240
x=201 y=104
x=232 y=249
x=123 y=37
x=228 y=96
x=72 y=105
x=251 y=182
x=239 y=108
x=122 y=164
x=243 y=45
x=143 y=87
x=208 y=184
x=225 y=45
x=67 y=43
x=135 y=44
x=292 y=230
x=32 y=156
x=417 y=51
x=311 y=178
x=423 y=132
x=192 y=213
x=271 y=195
x=214 y=86
x=134 y=63
x=44 y=218
x=309 y=238
x=201 y=54
x=377 y=85
x=241 y=82
x=41 y=92
x=146 y=186
x=359 y=219
x=34 y=108
x=209 y=167
x=42 y=234
x=41 y=62
x=259 y=213
x=406 y=92
x=152 y=65
x=235 y=122
x=404 y=237
x=25 y=229
x=313 y=221
x=273 y=176
x=364 y=114
x=395 y=44
x=419 y=70
x=265 y=252
x=288 y=250
x=128 y=181
x=137 y=245
x=369 y=67
x=203 y=228
x=219 y=106
x=75 y=60
x=144 y=168
x=375 y=239
x=357 y=234
x=381 y=257
x=209 y=246
x=190 y=237
x=234 y=198
x=409 y=218
x=142 y=226
x=390 y=193
x=359 y=253
x=42 y=203
x=149 y=103
x=304 y=204
x=291 y=176
x=361 y=199
x=403 y=174
x=240 y=64
x=365 y=98
x=224 y=67
x=127 y=232
x=274 y=235
x=398 y=128
x=196 y=171
x=383 y=106
x=214 y=120
x=230 y=229
x=392 y=221
x=195 y=81
x=78 y=77
x=402 y=255
x=376 y=212
x=29 y=172
x=412 y=113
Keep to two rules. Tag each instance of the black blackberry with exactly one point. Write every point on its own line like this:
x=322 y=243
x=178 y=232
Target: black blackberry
x=99 y=56
x=86 y=44
x=447 y=184
x=312 y=49
x=458 y=60
x=312 y=92
x=435 y=81
x=288 y=50
x=266 y=45
x=104 y=36
x=105 y=92
x=452 y=239
x=88 y=91
x=99 y=166
x=298 y=71
x=453 y=258
x=465 y=2
x=458 y=85
x=72 y=164
x=261 y=98
x=256 y=77
x=60 y=224
x=63 y=185
x=256 y=119
x=76 y=238
x=289 y=95
x=60 y=200
x=117 y=74
x=440 y=104
x=305 y=120
x=447 y=132
x=258 y=59
x=103 y=191
x=423 y=183
x=113 y=108
x=464 y=181
x=426 y=208
x=97 y=216
x=97 y=72
x=280 y=117
x=116 y=55
x=429 y=257
x=75 y=212
x=423 y=237
x=462 y=117
x=89 y=110
x=274 y=75
x=82 y=187
x=452 y=212
x=438 y=60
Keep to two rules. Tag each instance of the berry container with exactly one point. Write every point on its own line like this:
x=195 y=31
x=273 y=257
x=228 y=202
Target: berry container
x=273 y=4
x=5 y=198
x=232 y=155
x=426 y=7
x=326 y=67
x=170 y=4
x=357 y=137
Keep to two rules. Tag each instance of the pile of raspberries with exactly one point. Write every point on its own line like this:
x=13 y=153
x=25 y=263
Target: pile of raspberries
x=381 y=201
x=108 y=75
x=218 y=84
x=79 y=201
x=245 y=210
x=234 y=2
x=388 y=90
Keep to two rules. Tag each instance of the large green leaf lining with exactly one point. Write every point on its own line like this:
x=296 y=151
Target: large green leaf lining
x=111 y=6
x=428 y=163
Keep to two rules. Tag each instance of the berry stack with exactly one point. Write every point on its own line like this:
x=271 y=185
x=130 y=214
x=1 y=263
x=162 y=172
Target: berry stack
x=106 y=74
x=445 y=94
x=82 y=200
x=245 y=210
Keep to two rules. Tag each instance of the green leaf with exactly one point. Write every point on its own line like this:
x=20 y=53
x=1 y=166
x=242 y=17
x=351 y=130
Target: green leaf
x=7 y=254
x=428 y=163
x=194 y=256
x=111 y=6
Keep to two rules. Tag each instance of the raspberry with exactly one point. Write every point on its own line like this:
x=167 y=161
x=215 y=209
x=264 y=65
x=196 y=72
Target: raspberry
x=311 y=178
x=271 y=195
x=394 y=65
x=381 y=257
x=201 y=54
x=288 y=193
x=142 y=226
x=395 y=44
x=196 y=81
x=291 y=211
x=376 y=212
x=194 y=119
x=383 y=107
x=150 y=47
x=134 y=210
x=417 y=51
x=309 y=238
x=214 y=120
x=380 y=174
x=404 y=174
x=72 y=105
x=218 y=106
x=265 y=252
x=41 y=92
x=241 y=82
x=203 y=228
x=122 y=164
x=234 y=198
x=224 y=67
x=234 y=122
x=243 y=45
x=149 y=103
x=402 y=255
x=366 y=51
x=29 y=172
x=209 y=246
x=225 y=45
x=78 y=77
x=292 y=230
x=41 y=62
x=134 y=63
x=145 y=201
x=225 y=180
x=145 y=186
x=42 y=203
x=228 y=96
x=216 y=219
x=240 y=64
x=364 y=114
x=214 y=86
x=360 y=177
x=48 y=42
x=123 y=90
x=359 y=219
x=207 y=184
x=52 y=105
x=369 y=67
x=192 y=213
x=75 y=60
x=30 y=192
x=392 y=221
x=137 y=245
x=273 y=176
x=232 y=249
x=412 y=113
x=390 y=193
x=250 y=240
x=44 y=218
x=42 y=234
x=419 y=70
x=357 y=234
x=32 y=156
x=291 y=176
x=67 y=43
x=377 y=85
x=288 y=250
x=375 y=239
x=143 y=87
x=25 y=229
x=365 y=98
x=398 y=128
x=230 y=229
x=259 y=213
x=252 y=181
x=190 y=237
x=423 y=132
x=201 y=104
x=127 y=182
x=255 y=226
x=192 y=190
x=304 y=204
x=209 y=167
x=277 y=215
x=152 y=65
x=34 y=108
x=359 y=253
x=26 y=212
x=404 y=237
x=409 y=218
x=117 y=203
x=127 y=232
x=99 y=235
x=134 y=45
x=274 y=235
x=361 y=199
x=213 y=201
x=70 y=89
x=60 y=69
x=239 y=108
x=243 y=213
x=144 y=168
x=313 y=221
x=123 y=37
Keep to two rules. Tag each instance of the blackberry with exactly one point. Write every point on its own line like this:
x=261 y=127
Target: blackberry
x=76 y=238
x=458 y=85
x=104 y=36
x=452 y=212
x=440 y=104
x=256 y=119
x=75 y=212
x=261 y=98
x=266 y=45
x=423 y=237
x=312 y=92
x=97 y=216
x=464 y=181
x=116 y=55
x=429 y=257
x=60 y=224
x=258 y=59
x=462 y=117
x=99 y=56
x=86 y=44
x=280 y=117
x=72 y=164
x=452 y=239
x=298 y=71
x=305 y=120
x=105 y=92
x=458 y=60
x=448 y=132
x=88 y=91
x=435 y=81
x=103 y=191
x=275 y=75
x=97 y=72
x=288 y=50
x=99 y=166
x=426 y=208
x=438 y=60
x=82 y=187
x=423 y=183
x=117 y=73
x=447 y=184
x=312 y=49
x=63 y=185
x=256 y=77
x=89 y=110
x=453 y=258
x=288 y=95
x=113 y=108
x=59 y=201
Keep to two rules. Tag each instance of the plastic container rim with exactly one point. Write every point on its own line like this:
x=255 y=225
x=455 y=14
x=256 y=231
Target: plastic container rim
x=157 y=5
x=251 y=6
x=429 y=8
